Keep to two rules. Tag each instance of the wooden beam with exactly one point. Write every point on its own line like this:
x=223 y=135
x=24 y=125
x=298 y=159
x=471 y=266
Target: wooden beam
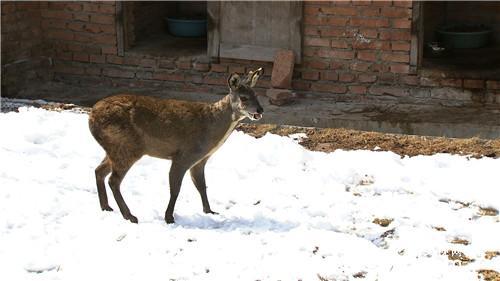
x=417 y=37
x=119 y=28
x=213 y=27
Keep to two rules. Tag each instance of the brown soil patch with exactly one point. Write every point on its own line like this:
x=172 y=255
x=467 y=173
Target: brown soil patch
x=382 y=222
x=488 y=275
x=488 y=211
x=460 y=241
x=457 y=256
x=439 y=228
x=491 y=254
x=330 y=139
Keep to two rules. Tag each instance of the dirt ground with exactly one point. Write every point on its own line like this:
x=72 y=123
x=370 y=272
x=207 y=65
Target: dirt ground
x=330 y=139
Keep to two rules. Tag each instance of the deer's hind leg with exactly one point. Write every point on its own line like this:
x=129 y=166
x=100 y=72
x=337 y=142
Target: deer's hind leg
x=118 y=172
x=101 y=172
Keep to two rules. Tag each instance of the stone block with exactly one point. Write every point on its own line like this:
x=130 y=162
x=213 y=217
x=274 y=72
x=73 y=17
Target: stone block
x=280 y=96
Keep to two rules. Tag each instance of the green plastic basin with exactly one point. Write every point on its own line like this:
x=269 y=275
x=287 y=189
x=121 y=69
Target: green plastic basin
x=452 y=37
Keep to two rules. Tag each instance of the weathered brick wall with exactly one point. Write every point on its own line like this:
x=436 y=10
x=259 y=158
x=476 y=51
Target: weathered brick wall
x=21 y=44
x=351 y=50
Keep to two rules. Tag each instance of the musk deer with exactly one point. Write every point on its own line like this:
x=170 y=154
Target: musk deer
x=188 y=133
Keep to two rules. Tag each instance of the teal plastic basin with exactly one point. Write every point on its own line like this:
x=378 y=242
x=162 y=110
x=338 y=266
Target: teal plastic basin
x=187 y=27
x=450 y=37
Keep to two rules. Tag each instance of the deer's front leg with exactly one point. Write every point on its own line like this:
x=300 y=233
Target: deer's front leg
x=177 y=171
x=198 y=177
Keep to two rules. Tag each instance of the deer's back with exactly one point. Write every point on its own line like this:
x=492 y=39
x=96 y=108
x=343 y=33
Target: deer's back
x=147 y=125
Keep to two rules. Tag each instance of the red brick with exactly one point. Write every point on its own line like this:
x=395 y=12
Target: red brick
x=401 y=23
x=61 y=68
x=396 y=12
x=340 y=44
x=147 y=63
x=318 y=42
x=333 y=31
x=367 y=55
x=301 y=85
x=54 y=14
x=218 y=68
x=381 y=3
x=60 y=34
x=311 y=30
x=51 y=23
x=310 y=75
x=371 y=45
x=330 y=76
x=107 y=9
x=335 y=65
x=367 y=78
x=360 y=66
x=492 y=84
x=368 y=33
x=370 y=12
x=95 y=71
x=390 y=91
x=81 y=57
x=282 y=72
x=114 y=59
x=429 y=81
x=395 y=57
x=73 y=6
x=104 y=19
x=214 y=80
x=473 y=84
x=457 y=83
x=395 y=35
x=104 y=39
x=147 y=75
x=400 y=68
x=333 y=88
x=361 y=3
x=339 y=11
x=183 y=64
x=317 y=64
x=357 y=89
x=311 y=10
x=337 y=54
x=81 y=17
x=199 y=66
x=168 y=76
x=410 y=80
x=346 y=77
x=406 y=3
x=400 y=46
x=97 y=59
x=380 y=22
x=118 y=73
x=237 y=69
x=109 y=50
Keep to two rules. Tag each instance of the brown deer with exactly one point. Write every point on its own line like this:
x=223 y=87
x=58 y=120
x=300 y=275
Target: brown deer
x=188 y=133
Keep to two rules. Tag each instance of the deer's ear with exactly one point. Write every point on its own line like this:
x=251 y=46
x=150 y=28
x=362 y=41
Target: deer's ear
x=234 y=81
x=255 y=76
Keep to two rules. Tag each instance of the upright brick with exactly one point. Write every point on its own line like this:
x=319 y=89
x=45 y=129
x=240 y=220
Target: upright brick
x=281 y=76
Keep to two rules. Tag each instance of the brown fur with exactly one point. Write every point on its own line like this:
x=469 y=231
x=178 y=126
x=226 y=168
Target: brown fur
x=188 y=133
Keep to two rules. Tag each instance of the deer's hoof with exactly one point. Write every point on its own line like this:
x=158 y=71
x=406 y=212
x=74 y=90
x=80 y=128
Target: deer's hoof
x=132 y=219
x=107 y=208
x=210 y=212
x=169 y=219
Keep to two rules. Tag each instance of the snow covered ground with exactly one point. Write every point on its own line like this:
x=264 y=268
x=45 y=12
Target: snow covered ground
x=285 y=212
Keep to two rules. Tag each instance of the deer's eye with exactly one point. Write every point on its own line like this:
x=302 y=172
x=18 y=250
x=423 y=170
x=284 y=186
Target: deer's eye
x=243 y=99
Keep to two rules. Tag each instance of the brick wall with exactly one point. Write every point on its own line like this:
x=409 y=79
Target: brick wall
x=351 y=50
x=21 y=44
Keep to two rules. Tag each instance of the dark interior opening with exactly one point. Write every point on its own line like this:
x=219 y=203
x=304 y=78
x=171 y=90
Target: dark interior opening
x=462 y=16
x=146 y=28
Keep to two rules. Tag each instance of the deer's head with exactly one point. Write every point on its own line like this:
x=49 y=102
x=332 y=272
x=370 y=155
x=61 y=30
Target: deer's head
x=243 y=99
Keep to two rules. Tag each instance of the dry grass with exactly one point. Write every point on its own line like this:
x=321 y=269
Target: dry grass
x=330 y=139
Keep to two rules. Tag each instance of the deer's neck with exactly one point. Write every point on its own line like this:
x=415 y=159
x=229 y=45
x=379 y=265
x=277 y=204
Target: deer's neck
x=224 y=119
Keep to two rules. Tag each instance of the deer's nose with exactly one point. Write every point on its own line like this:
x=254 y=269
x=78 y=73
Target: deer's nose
x=260 y=110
